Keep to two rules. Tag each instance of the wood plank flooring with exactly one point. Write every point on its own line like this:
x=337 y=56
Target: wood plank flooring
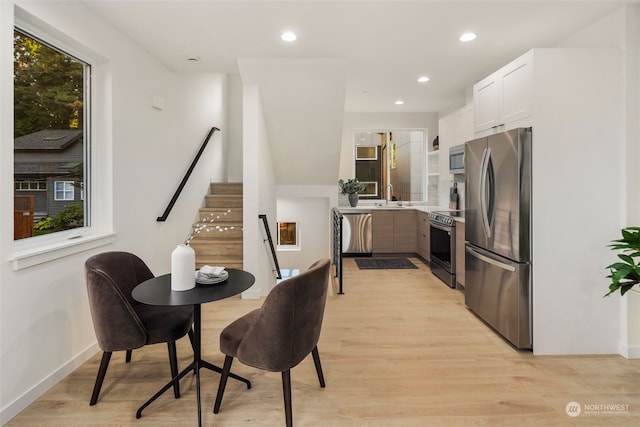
x=399 y=348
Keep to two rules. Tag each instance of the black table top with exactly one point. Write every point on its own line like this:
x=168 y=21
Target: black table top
x=157 y=291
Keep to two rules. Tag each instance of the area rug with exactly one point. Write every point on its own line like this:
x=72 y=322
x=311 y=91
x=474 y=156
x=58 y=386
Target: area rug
x=383 y=263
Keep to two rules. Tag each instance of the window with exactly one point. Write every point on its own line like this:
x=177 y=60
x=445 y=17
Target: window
x=63 y=190
x=51 y=122
x=288 y=237
x=31 y=186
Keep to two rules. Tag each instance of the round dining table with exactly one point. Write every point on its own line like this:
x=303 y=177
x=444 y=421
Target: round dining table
x=157 y=291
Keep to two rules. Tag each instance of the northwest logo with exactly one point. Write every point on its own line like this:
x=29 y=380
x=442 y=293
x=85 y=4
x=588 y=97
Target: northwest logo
x=573 y=409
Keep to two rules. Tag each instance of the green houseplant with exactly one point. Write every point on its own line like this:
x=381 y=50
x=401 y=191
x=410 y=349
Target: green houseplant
x=351 y=188
x=625 y=273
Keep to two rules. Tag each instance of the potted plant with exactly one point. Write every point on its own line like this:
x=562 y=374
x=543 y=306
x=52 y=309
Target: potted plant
x=351 y=188
x=625 y=273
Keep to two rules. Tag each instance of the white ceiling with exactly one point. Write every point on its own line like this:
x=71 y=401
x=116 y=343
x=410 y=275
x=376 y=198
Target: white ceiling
x=355 y=56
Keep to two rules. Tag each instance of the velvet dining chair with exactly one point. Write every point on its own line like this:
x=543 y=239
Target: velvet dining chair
x=122 y=323
x=280 y=334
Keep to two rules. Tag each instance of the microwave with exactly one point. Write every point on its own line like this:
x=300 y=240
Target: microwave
x=456 y=159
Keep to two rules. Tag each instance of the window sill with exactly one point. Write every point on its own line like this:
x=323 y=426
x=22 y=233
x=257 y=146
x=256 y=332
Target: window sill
x=54 y=250
x=289 y=248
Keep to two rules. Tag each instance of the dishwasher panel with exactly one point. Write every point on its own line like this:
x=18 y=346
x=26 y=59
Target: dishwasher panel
x=356 y=233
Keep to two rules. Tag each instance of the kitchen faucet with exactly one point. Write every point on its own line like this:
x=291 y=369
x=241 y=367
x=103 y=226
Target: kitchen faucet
x=390 y=193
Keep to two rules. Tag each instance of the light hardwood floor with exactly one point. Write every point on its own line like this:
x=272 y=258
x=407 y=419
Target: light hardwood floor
x=399 y=348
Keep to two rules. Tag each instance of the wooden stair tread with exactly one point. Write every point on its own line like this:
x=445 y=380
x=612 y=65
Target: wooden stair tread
x=223 y=209
x=226 y=188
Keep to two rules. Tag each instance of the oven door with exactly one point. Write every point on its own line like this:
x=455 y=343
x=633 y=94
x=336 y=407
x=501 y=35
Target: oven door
x=442 y=240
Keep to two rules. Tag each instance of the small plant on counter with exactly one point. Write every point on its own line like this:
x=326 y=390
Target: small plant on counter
x=625 y=274
x=351 y=186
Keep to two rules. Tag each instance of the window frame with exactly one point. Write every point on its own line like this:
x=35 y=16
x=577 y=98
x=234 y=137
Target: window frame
x=97 y=231
x=39 y=185
x=65 y=190
x=284 y=247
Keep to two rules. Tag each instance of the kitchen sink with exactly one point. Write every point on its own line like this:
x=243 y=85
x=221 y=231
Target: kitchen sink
x=393 y=205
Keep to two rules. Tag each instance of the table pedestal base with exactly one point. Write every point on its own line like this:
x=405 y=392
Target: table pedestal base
x=194 y=366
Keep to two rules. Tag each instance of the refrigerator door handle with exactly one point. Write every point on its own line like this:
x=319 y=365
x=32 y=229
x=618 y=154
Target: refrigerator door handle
x=491 y=261
x=491 y=179
x=484 y=170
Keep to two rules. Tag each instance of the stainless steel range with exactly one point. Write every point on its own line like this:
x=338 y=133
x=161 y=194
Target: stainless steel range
x=442 y=237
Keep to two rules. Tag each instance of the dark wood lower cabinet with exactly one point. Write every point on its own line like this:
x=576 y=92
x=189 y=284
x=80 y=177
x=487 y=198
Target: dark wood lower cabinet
x=394 y=231
x=404 y=231
x=382 y=231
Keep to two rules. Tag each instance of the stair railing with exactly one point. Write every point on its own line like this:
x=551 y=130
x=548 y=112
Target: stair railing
x=336 y=252
x=263 y=217
x=186 y=176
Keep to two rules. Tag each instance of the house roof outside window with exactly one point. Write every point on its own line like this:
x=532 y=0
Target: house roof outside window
x=49 y=139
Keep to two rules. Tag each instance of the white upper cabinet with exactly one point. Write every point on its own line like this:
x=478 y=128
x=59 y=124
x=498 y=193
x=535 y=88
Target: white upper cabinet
x=486 y=99
x=505 y=96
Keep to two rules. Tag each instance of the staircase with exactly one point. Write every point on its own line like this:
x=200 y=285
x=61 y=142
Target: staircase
x=223 y=208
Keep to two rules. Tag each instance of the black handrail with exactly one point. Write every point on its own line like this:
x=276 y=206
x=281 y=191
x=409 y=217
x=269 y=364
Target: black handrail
x=336 y=255
x=273 y=249
x=186 y=176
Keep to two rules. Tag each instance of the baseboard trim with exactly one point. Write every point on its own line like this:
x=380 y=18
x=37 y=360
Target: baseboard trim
x=630 y=352
x=22 y=402
x=251 y=294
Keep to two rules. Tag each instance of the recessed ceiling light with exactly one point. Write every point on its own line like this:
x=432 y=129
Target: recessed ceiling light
x=399 y=102
x=467 y=37
x=288 y=36
x=423 y=79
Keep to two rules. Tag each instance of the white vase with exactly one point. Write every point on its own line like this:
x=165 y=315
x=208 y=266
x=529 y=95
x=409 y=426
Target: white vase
x=183 y=267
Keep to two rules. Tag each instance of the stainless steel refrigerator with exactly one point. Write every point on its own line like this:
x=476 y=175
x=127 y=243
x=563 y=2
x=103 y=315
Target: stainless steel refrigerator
x=498 y=233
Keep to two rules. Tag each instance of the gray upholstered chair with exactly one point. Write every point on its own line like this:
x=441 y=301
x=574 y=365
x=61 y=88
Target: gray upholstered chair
x=280 y=334
x=122 y=323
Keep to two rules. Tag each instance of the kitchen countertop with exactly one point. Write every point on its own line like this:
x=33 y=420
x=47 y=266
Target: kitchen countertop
x=368 y=208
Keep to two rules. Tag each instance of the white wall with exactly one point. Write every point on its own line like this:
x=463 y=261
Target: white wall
x=6 y=186
x=142 y=154
x=576 y=199
x=621 y=29
x=312 y=215
x=259 y=194
x=630 y=313
x=234 y=129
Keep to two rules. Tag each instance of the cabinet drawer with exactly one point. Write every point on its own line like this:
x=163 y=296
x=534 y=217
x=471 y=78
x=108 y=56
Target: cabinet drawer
x=422 y=222
x=422 y=235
